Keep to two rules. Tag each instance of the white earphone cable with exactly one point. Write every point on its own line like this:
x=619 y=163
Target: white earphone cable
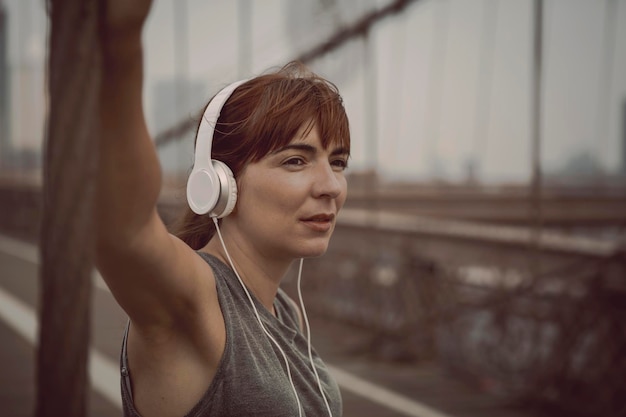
x=308 y=338
x=256 y=312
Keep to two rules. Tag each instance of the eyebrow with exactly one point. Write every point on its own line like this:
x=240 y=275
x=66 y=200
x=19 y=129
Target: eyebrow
x=309 y=149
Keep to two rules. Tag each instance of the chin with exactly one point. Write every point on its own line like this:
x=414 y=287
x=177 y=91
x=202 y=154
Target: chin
x=313 y=251
x=316 y=254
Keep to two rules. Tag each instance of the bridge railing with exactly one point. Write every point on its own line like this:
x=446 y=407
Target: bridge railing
x=533 y=317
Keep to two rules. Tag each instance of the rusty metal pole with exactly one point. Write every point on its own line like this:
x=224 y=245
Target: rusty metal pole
x=70 y=159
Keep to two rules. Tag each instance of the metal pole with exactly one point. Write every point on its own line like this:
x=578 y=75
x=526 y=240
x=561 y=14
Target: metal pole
x=70 y=160
x=603 y=112
x=482 y=111
x=5 y=139
x=441 y=23
x=536 y=111
x=371 y=121
x=371 y=103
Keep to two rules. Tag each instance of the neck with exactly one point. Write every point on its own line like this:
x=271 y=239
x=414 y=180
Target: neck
x=260 y=274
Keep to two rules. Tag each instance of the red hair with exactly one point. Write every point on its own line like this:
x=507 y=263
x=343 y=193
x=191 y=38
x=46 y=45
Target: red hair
x=263 y=115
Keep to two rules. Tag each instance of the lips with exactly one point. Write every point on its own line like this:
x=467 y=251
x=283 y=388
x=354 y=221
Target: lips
x=320 y=222
x=320 y=218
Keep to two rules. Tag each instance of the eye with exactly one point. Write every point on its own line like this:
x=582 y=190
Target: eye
x=341 y=164
x=294 y=161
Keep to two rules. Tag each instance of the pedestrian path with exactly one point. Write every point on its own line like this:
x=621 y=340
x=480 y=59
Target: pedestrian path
x=369 y=389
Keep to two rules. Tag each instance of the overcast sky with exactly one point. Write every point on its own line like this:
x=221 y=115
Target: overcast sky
x=450 y=80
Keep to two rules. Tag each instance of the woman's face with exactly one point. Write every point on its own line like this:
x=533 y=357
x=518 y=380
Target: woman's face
x=288 y=201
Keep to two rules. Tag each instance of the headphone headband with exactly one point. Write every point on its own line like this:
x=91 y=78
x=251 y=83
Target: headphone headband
x=204 y=139
x=211 y=187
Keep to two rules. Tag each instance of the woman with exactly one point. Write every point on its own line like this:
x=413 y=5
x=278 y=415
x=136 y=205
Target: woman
x=210 y=331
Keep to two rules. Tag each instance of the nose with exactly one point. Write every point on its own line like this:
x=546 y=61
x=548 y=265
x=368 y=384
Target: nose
x=328 y=183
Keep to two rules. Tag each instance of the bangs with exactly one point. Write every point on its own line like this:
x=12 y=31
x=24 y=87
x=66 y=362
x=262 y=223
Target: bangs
x=289 y=104
x=266 y=113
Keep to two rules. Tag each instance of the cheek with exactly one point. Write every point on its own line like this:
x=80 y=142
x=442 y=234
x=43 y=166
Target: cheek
x=270 y=196
x=344 y=193
x=281 y=186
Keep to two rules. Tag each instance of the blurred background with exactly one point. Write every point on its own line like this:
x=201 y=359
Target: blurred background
x=478 y=267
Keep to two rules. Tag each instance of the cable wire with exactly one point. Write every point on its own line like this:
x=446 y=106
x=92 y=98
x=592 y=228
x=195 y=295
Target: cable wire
x=256 y=312
x=308 y=338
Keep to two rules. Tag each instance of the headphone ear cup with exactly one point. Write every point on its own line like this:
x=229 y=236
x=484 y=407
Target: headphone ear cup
x=203 y=190
x=228 y=190
x=211 y=187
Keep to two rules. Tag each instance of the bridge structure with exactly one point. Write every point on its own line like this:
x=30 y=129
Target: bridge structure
x=516 y=291
x=410 y=281
x=471 y=280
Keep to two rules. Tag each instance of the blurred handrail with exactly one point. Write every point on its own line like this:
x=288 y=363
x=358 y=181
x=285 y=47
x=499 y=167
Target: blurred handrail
x=172 y=199
x=457 y=229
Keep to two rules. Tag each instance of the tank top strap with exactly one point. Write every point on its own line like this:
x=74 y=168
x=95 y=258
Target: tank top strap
x=124 y=371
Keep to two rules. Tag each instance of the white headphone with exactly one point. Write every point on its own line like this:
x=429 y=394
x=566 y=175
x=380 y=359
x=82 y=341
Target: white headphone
x=211 y=187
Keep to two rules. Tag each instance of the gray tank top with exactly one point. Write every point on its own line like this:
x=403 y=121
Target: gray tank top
x=251 y=378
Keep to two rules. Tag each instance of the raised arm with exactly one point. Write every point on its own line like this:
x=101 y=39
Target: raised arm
x=153 y=275
x=129 y=171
